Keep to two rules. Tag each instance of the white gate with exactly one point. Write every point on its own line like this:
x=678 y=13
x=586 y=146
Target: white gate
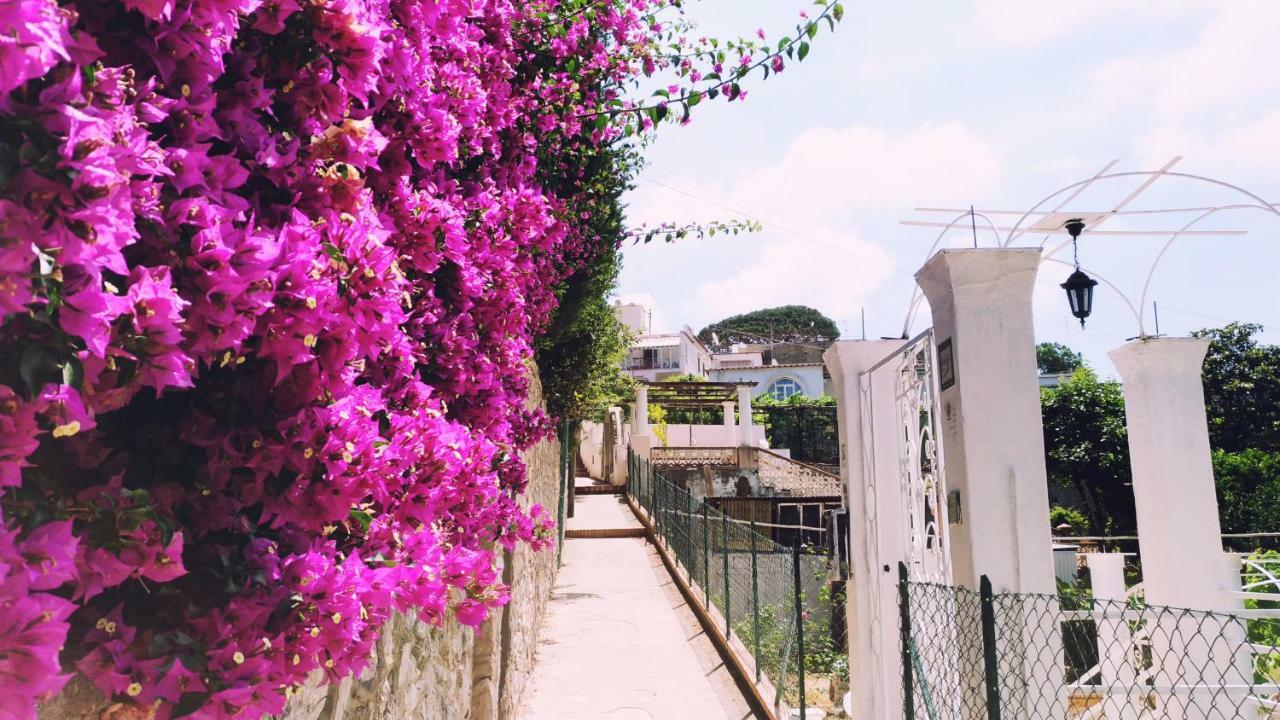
x=907 y=510
x=906 y=519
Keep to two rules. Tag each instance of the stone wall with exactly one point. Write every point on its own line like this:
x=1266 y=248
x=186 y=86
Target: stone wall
x=419 y=671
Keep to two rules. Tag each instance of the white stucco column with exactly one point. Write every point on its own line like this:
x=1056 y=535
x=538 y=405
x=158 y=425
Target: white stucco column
x=992 y=436
x=729 y=421
x=745 y=434
x=1116 y=651
x=1179 y=534
x=875 y=523
x=994 y=455
x=640 y=416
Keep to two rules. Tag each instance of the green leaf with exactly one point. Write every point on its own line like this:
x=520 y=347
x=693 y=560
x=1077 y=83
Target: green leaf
x=360 y=518
x=694 y=99
x=334 y=253
x=812 y=31
x=661 y=92
x=73 y=372
x=837 y=10
x=804 y=50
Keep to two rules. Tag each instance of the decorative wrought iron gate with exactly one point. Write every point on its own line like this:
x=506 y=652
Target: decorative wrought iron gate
x=906 y=510
x=920 y=481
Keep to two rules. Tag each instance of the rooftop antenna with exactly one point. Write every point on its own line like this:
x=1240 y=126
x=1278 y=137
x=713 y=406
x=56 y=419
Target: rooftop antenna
x=973 y=225
x=1155 y=307
x=864 y=323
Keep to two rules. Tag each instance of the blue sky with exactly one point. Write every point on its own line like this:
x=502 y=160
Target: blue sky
x=995 y=103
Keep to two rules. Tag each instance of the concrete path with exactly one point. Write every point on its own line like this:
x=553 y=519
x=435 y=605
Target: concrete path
x=618 y=642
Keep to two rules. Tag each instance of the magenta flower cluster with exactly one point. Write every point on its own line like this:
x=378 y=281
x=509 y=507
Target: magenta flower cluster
x=270 y=276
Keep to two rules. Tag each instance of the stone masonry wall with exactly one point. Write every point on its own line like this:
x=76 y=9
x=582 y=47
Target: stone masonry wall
x=419 y=671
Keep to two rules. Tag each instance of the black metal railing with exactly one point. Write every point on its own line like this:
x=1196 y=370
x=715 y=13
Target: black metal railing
x=779 y=610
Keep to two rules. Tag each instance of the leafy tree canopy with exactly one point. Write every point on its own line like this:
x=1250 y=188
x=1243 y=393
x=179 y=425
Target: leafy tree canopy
x=1054 y=357
x=788 y=323
x=1087 y=449
x=1241 y=389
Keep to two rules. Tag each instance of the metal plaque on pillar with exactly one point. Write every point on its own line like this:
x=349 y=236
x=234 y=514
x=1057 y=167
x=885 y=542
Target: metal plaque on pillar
x=946 y=365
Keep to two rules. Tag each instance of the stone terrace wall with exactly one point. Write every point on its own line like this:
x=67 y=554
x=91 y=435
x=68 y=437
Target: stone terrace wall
x=419 y=671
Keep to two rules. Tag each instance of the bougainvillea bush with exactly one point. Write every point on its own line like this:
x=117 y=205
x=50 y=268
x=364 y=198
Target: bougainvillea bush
x=271 y=272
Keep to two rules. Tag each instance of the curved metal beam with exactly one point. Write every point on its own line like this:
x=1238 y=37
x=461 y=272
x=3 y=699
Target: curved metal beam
x=914 y=304
x=1009 y=238
x=1146 y=286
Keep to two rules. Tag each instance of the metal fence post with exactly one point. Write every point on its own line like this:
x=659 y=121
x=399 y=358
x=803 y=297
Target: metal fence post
x=724 y=546
x=688 y=535
x=991 y=668
x=706 y=554
x=799 y=590
x=904 y=621
x=565 y=489
x=755 y=601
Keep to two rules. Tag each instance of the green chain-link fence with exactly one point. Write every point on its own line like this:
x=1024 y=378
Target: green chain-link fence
x=777 y=605
x=979 y=654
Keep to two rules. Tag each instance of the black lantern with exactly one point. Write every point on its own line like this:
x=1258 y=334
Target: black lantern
x=1079 y=286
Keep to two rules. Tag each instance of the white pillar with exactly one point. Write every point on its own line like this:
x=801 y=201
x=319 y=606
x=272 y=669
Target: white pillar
x=640 y=414
x=994 y=459
x=745 y=434
x=729 y=426
x=1179 y=534
x=875 y=524
x=992 y=437
x=1121 y=698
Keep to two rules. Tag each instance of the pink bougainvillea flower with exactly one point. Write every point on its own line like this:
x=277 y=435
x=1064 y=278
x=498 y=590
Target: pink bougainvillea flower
x=33 y=37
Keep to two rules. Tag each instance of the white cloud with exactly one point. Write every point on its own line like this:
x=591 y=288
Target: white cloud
x=1224 y=70
x=1021 y=24
x=830 y=172
x=1244 y=152
x=805 y=199
x=833 y=273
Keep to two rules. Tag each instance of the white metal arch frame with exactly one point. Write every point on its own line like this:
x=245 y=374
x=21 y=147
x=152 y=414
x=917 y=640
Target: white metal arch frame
x=916 y=297
x=1138 y=310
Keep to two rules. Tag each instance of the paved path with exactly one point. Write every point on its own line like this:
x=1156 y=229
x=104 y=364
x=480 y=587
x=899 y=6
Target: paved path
x=618 y=642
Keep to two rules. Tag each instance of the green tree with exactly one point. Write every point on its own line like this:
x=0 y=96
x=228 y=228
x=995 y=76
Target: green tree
x=1054 y=357
x=1087 y=450
x=1241 y=389
x=789 y=323
x=579 y=355
x=1248 y=490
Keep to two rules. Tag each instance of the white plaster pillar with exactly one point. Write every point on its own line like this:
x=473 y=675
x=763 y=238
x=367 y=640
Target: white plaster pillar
x=729 y=422
x=745 y=434
x=875 y=523
x=1179 y=534
x=640 y=414
x=992 y=436
x=994 y=455
x=1121 y=698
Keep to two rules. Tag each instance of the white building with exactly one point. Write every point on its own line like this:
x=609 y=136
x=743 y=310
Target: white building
x=780 y=381
x=656 y=357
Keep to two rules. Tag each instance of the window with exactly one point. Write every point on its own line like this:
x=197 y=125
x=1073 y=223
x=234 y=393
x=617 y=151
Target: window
x=783 y=388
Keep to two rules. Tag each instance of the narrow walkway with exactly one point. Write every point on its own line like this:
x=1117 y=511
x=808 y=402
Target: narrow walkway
x=618 y=642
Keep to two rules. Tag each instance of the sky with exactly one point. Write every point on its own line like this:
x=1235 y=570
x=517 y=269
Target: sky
x=991 y=103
